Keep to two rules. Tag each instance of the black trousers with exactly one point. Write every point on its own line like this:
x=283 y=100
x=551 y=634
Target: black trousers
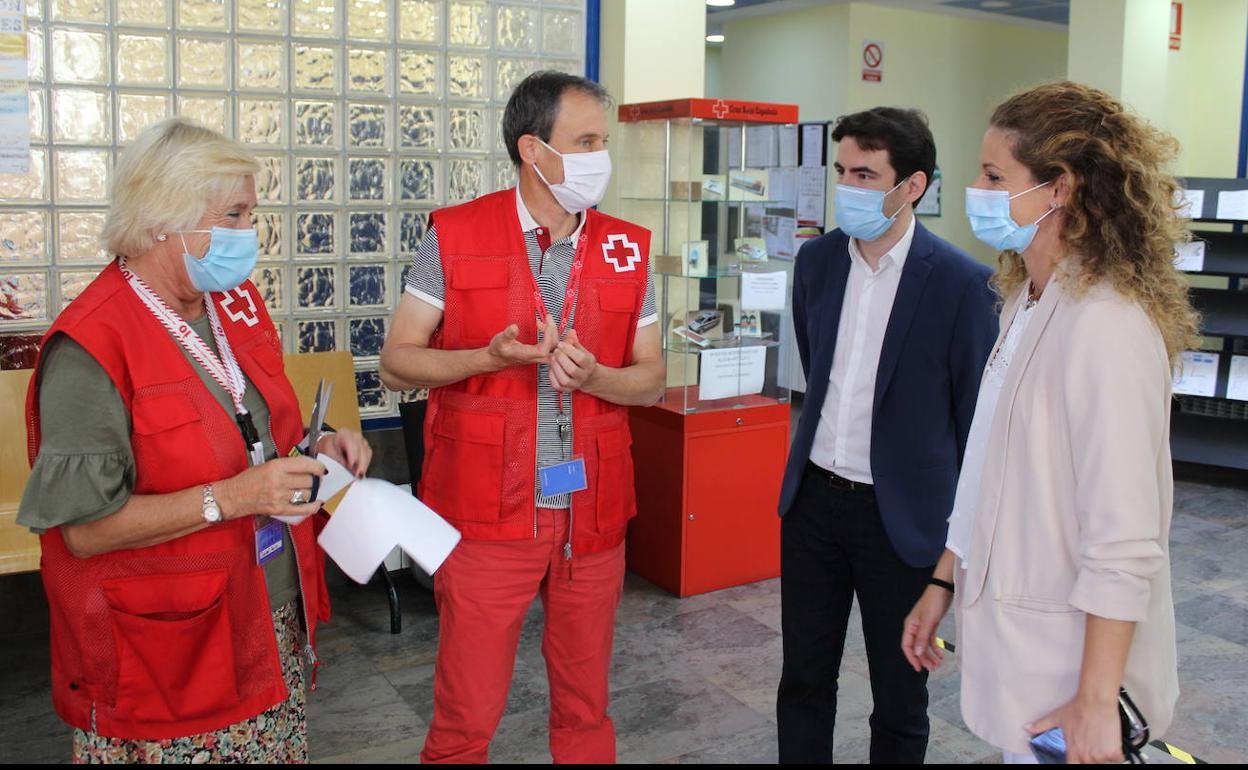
x=833 y=546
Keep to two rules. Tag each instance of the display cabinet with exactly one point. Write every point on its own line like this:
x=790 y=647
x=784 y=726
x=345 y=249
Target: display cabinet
x=1209 y=419
x=710 y=455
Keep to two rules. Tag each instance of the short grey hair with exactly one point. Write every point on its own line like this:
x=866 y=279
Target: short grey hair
x=165 y=180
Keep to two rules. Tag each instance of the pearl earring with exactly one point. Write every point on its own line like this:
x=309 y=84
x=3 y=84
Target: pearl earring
x=162 y=237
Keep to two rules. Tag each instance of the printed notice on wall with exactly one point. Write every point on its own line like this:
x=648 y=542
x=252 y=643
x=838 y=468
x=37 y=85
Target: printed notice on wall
x=1237 y=382
x=788 y=145
x=811 y=201
x=762 y=146
x=1197 y=375
x=14 y=99
x=812 y=144
x=729 y=372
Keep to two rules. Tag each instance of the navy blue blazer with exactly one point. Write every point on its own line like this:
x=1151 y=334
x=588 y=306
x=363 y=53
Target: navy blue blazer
x=939 y=334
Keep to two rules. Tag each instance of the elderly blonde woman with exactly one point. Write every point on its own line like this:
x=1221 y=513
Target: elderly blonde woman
x=160 y=424
x=1058 y=544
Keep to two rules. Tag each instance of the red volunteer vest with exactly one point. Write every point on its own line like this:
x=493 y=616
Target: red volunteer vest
x=173 y=639
x=481 y=433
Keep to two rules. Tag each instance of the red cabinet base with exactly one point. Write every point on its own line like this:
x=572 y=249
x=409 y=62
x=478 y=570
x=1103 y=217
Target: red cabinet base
x=708 y=484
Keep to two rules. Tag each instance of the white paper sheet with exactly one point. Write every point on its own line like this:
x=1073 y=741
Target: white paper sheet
x=1197 y=374
x=1190 y=257
x=727 y=372
x=812 y=144
x=1233 y=204
x=811 y=195
x=373 y=518
x=764 y=291
x=762 y=147
x=1191 y=203
x=787 y=136
x=779 y=236
x=782 y=187
x=1237 y=382
x=331 y=485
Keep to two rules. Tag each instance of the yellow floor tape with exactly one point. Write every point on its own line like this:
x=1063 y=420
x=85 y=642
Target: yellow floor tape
x=1173 y=751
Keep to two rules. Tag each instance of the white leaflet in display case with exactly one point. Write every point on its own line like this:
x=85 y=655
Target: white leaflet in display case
x=729 y=372
x=764 y=291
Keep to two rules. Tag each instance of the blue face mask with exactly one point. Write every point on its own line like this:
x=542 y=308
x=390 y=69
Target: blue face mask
x=989 y=212
x=230 y=259
x=860 y=212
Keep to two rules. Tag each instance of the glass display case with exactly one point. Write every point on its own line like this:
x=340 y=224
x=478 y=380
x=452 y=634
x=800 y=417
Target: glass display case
x=722 y=274
x=689 y=171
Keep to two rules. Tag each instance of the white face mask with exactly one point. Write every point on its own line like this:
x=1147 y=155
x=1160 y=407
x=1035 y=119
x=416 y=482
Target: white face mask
x=585 y=178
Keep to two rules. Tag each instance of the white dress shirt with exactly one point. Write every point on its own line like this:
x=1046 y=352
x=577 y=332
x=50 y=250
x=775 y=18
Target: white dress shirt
x=843 y=438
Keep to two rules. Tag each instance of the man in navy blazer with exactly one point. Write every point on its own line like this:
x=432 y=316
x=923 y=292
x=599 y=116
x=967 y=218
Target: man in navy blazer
x=894 y=326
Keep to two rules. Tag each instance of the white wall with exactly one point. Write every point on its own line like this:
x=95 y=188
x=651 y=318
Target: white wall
x=1205 y=82
x=650 y=50
x=796 y=57
x=954 y=69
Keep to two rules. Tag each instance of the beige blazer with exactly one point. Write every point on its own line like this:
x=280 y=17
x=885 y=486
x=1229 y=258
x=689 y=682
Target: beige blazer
x=1073 y=517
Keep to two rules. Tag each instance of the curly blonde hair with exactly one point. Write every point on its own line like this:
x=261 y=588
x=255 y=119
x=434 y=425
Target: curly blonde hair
x=1121 y=217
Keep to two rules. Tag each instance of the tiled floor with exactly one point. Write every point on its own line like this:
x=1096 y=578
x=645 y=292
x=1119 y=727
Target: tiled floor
x=693 y=680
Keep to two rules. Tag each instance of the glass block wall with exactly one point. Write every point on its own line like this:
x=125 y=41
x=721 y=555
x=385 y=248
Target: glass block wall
x=366 y=115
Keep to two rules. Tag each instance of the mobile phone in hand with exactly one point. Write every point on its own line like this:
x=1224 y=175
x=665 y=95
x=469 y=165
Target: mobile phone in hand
x=1049 y=747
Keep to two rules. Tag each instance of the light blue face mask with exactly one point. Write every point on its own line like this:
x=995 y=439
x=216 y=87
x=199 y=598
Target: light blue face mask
x=230 y=259
x=860 y=212
x=989 y=212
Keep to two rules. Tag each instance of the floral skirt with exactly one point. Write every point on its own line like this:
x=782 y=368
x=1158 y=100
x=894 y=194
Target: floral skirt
x=277 y=735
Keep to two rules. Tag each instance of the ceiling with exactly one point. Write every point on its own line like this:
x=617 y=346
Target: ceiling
x=1034 y=13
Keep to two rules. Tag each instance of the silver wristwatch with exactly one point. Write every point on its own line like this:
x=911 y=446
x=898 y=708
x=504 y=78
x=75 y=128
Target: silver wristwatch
x=212 y=511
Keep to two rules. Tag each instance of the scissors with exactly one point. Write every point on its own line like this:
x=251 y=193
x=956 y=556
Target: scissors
x=320 y=406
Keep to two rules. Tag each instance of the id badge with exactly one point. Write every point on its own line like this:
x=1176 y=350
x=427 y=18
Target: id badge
x=269 y=541
x=256 y=453
x=562 y=478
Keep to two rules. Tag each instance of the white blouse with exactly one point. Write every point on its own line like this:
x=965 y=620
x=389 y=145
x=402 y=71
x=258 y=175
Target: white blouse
x=966 y=501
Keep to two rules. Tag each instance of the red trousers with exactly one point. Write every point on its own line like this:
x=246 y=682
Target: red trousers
x=483 y=591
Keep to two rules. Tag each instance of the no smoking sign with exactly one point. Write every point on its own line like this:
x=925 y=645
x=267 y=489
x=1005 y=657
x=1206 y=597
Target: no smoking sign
x=872 y=61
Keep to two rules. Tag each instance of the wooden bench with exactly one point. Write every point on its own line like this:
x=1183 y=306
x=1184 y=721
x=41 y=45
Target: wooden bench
x=19 y=549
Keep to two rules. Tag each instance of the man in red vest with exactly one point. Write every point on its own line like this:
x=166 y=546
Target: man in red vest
x=530 y=317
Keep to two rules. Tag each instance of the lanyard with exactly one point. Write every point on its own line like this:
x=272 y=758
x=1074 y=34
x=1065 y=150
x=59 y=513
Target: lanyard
x=223 y=369
x=569 y=302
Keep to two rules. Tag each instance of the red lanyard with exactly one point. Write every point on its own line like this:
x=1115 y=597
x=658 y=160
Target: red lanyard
x=569 y=297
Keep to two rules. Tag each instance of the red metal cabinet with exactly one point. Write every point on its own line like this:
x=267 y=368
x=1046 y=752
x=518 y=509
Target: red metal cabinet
x=707 y=489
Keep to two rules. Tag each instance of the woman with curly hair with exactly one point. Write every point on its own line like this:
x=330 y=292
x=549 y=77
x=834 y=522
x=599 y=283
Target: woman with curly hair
x=1058 y=552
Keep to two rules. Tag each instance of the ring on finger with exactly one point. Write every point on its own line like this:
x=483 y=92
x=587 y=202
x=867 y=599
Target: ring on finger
x=297 y=497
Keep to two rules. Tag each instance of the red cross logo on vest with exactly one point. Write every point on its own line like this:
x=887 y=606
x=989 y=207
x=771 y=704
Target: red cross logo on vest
x=630 y=253
x=720 y=109
x=246 y=312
